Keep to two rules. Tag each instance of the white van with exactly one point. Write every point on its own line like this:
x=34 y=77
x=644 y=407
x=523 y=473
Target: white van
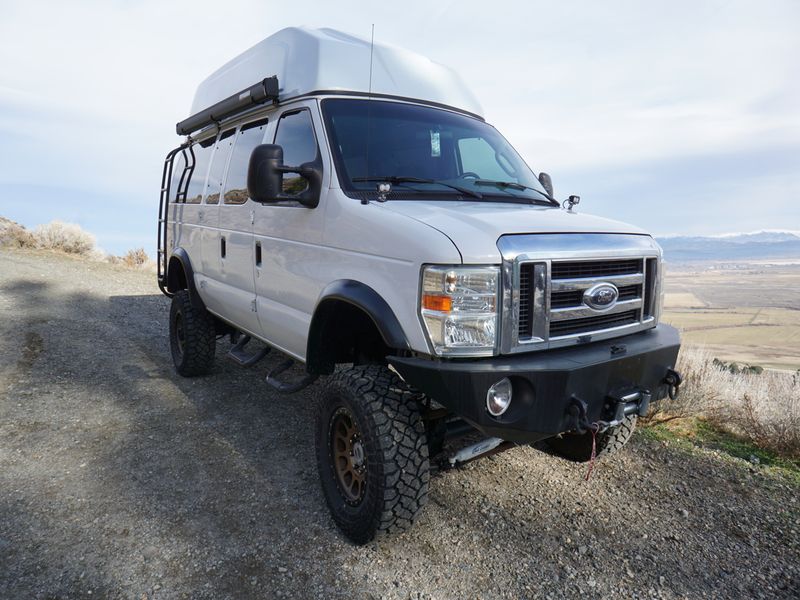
x=348 y=206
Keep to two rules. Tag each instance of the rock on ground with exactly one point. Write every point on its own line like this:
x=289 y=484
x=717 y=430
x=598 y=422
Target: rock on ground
x=119 y=479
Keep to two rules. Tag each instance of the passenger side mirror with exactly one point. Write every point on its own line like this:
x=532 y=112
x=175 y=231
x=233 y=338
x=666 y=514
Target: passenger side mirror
x=265 y=177
x=546 y=182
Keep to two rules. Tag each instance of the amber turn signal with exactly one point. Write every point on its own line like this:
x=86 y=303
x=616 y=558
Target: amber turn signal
x=437 y=302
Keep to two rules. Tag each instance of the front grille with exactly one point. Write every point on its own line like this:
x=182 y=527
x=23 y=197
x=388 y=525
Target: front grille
x=598 y=268
x=569 y=315
x=589 y=324
x=575 y=297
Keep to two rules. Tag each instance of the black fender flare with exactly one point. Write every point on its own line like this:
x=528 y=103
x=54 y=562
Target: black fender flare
x=370 y=302
x=182 y=257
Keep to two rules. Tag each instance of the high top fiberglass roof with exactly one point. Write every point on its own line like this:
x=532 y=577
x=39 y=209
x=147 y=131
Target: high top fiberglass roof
x=312 y=60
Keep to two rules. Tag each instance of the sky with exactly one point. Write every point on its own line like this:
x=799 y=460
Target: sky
x=680 y=117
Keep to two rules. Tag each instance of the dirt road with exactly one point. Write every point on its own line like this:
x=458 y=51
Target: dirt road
x=120 y=479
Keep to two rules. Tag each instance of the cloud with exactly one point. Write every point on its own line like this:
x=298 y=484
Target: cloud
x=620 y=91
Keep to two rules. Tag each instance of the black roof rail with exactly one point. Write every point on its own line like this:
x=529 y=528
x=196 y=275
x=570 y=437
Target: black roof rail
x=259 y=93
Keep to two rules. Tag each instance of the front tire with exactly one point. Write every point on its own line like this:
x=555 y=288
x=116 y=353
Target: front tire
x=372 y=452
x=579 y=447
x=192 y=336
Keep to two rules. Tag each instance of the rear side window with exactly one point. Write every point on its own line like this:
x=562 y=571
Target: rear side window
x=296 y=136
x=217 y=171
x=197 y=183
x=250 y=136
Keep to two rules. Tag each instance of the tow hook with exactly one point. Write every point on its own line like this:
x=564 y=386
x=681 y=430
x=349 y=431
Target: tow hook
x=578 y=411
x=618 y=406
x=673 y=380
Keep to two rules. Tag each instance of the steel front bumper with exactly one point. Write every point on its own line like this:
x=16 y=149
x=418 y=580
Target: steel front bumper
x=546 y=384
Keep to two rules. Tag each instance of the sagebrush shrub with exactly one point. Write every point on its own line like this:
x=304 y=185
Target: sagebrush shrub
x=14 y=234
x=66 y=237
x=135 y=259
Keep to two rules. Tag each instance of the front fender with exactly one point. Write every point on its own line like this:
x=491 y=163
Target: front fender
x=369 y=302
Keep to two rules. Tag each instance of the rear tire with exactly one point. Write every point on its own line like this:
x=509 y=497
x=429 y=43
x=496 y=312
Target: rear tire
x=372 y=452
x=192 y=336
x=579 y=447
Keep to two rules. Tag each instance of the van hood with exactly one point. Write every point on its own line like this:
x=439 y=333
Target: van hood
x=475 y=227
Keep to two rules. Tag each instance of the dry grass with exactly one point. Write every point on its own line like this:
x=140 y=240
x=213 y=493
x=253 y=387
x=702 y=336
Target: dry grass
x=65 y=237
x=70 y=239
x=15 y=235
x=761 y=408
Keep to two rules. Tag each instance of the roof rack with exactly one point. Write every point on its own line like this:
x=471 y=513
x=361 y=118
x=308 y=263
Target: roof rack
x=259 y=93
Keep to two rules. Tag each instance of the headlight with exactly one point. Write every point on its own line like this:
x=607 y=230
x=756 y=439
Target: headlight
x=459 y=308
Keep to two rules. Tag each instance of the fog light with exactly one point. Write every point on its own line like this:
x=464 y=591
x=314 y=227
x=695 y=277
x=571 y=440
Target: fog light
x=498 y=398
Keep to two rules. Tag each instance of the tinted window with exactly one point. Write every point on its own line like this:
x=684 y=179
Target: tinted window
x=371 y=140
x=215 y=174
x=197 y=183
x=296 y=135
x=250 y=136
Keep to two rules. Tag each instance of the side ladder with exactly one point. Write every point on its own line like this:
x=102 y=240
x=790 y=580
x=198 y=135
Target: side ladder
x=163 y=205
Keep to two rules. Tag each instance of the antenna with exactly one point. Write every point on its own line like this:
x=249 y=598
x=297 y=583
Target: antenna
x=371 y=48
x=369 y=111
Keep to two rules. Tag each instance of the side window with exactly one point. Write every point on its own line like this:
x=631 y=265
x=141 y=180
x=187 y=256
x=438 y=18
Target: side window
x=296 y=135
x=217 y=171
x=479 y=157
x=197 y=183
x=250 y=136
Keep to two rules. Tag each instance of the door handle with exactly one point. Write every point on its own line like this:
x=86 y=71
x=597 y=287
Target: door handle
x=200 y=214
x=258 y=254
x=222 y=247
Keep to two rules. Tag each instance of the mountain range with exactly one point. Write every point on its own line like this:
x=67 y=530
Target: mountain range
x=757 y=245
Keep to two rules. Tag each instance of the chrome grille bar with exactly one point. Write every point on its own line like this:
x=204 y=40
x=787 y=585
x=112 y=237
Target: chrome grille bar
x=581 y=312
x=584 y=283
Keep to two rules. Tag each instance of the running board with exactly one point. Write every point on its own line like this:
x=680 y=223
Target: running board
x=483 y=448
x=288 y=388
x=241 y=357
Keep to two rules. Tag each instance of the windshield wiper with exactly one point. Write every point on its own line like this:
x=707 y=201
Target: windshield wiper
x=400 y=180
x=515 y=186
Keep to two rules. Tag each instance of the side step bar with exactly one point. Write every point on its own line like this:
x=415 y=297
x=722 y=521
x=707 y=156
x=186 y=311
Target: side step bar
x=483 y=448
x=238 y=354
x=288 y=388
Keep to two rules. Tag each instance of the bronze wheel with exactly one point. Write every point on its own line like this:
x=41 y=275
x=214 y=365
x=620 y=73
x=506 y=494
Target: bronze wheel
x=348 y=456
x=372 y=452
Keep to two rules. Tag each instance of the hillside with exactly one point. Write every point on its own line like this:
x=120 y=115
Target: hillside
x=734 y=247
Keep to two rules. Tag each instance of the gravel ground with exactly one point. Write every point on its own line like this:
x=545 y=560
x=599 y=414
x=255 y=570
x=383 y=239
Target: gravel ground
x=119 y=479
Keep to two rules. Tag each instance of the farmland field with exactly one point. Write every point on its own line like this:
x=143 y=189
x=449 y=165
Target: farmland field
x=746 y=313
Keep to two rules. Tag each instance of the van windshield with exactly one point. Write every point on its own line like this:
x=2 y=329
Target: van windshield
x=424 y=151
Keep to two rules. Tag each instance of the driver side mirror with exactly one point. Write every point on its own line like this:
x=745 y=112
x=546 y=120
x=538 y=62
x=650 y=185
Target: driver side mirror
x=546 y=182
x=265 y=177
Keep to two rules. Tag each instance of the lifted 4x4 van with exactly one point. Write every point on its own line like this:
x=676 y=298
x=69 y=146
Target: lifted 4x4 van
x=349 y=207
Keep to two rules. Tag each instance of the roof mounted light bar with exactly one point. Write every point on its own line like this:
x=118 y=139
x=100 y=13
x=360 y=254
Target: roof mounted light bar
x=260 y=93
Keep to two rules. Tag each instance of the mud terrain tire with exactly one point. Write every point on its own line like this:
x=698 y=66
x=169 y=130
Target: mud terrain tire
x=579 y=447
x=372 y=452
x=192 y=337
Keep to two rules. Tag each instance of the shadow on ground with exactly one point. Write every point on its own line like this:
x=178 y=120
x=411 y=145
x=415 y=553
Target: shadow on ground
x=120 y=478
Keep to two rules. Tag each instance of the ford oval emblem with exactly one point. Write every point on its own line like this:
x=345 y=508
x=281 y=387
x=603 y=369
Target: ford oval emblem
x=601 y=296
